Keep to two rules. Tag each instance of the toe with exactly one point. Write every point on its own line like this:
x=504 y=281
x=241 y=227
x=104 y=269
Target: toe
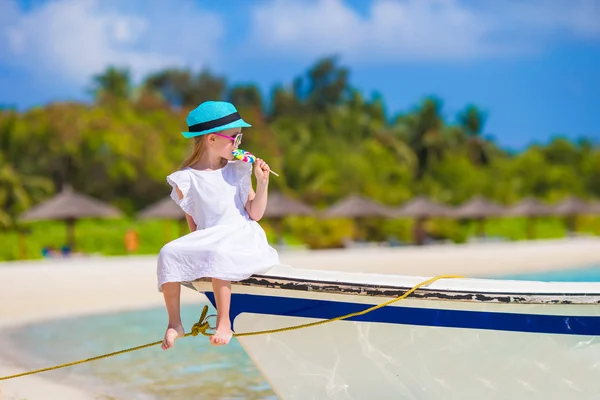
x=170 y=335
x=220 y=338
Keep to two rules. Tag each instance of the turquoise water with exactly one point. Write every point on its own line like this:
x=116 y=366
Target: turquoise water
x=192 y=369
x=584 y=274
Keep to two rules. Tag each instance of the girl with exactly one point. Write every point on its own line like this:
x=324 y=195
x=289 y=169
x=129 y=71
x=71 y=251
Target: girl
x=226 y=243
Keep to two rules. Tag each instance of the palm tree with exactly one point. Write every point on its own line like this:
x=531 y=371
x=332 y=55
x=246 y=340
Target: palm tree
x=423 y=130
x=114 y=82
x=246 y=96
x=403 y=152
x=180 y=87
x=471 y=122
x=326 y=84
x=17 y=192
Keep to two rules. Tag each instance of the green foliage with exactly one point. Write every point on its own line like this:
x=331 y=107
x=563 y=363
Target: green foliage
x=103 y=237
x=114 y=82
x=323 y=136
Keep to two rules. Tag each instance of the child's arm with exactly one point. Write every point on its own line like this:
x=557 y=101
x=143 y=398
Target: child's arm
x=189 y=219
x=257 y=201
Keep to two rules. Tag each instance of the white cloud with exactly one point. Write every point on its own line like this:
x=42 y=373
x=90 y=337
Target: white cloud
x=580 y=18
x=415 y=29
x=74 y=39
x=71 y=40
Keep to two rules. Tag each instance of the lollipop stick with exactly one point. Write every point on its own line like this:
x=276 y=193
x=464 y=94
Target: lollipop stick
x=246 y=156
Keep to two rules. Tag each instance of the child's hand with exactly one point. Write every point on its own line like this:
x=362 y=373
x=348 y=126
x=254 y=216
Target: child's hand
x=261 y=170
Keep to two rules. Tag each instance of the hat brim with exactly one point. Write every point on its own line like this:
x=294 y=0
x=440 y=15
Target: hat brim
x=240 y=123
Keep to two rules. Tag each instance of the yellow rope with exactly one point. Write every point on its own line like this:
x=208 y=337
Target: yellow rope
x=202 y=326
x=354 y=314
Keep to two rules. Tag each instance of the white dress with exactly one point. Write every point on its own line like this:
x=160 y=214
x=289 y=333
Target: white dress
x=227 y=243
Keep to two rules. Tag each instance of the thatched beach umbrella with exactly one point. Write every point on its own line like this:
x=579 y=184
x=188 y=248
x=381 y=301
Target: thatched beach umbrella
x=358 y=208
x=70 y=206
x=478 y=208
x=595 y=206
x=280 y=206
x=529 y=207
x=165 y=209
x=570 y=208
x=421 y=208
x=532 y=209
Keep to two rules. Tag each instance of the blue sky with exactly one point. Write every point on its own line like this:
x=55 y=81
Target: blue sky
x=532 y=65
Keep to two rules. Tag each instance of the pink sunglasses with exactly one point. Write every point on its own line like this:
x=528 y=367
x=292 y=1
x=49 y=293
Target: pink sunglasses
x=237 y=139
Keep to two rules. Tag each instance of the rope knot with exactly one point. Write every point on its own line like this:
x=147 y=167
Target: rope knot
x=202 y=326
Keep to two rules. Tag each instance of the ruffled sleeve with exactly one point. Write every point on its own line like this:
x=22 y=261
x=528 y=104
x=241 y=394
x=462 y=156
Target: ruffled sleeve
x=181 y=180
x=244 y=178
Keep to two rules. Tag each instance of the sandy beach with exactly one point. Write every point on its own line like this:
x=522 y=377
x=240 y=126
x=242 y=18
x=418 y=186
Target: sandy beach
x=38 y=290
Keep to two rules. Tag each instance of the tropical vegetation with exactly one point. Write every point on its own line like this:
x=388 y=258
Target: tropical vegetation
x=325 y=138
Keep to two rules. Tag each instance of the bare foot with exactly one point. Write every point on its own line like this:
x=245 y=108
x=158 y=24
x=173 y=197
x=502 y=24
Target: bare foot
x=172 y=333
x=222 y=336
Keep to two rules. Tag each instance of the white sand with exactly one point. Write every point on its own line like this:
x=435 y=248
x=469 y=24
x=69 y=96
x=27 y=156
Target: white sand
x=38 y=290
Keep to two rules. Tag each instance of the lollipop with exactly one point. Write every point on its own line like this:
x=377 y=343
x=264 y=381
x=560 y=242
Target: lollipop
x=248 y=157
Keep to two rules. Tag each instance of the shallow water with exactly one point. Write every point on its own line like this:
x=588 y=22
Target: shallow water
x=192 y=369
x=584 y=274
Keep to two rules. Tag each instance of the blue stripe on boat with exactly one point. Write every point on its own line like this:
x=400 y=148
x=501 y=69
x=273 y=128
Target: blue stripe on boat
x=322 y=309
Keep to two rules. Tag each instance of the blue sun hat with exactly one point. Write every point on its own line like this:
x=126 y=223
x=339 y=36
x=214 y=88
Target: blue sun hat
x=213 y=116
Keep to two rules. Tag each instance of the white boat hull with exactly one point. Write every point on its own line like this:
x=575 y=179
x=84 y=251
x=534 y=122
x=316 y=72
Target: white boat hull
x=446 y=347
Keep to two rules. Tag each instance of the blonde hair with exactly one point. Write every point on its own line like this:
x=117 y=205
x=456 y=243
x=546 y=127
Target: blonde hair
x=196 y=152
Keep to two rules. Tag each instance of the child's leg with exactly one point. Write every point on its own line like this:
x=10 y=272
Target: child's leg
x=172 y=295
x=222 y=291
